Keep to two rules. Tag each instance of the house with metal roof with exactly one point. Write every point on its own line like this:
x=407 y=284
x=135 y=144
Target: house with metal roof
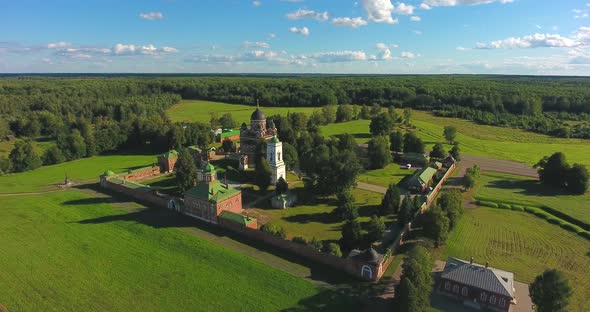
x=478 y=286
x=422 y=179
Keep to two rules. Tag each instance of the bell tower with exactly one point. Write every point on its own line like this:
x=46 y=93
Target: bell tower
x=274 y=155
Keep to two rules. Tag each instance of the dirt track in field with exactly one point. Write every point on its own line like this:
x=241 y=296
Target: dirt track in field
x=496 y=165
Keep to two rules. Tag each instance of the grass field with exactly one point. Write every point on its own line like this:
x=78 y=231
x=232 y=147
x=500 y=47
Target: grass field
x=69 y=251
x=200 y=111
x=480 y=140
x=512 y=188
x=82 y=170
x=523 y=244
x=320 y=220
x=392 y=173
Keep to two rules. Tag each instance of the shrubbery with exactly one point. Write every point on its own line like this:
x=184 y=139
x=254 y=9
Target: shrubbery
x=274 y=230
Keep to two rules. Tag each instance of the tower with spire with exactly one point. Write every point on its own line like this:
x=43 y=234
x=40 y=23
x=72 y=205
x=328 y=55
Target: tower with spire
x=274 y=155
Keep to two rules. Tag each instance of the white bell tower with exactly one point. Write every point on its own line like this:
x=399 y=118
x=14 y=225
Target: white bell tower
x=274 y=155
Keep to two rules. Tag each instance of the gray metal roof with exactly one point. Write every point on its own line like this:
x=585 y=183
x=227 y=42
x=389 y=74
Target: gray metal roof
x=477 y=275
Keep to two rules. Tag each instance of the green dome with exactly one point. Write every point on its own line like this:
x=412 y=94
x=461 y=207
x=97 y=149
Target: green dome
x=275 y=139
x=209 y=168
x=108 y=173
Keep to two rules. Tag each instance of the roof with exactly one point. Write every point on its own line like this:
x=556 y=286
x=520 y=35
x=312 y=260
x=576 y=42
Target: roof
x=237 y=218
x=275 y=139
x=131 y=185
x=436 y=164
x=476 y=275
x=257 y=115
x=370 y=256
x=108 y=173
x=209 y=168
x=213 y=191
x=195 y=148
x=229 y=133
x=170 y=154
x=426 y=174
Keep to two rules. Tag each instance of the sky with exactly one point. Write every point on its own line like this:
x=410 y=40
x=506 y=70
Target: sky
x=532 y=37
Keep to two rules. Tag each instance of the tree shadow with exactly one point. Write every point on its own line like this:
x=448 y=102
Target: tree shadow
x=344 y=297
x=323 y=217
x=361 y=135
x=527 y=187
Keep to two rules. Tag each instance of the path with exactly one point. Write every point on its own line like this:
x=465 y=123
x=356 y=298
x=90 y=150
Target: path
x=371 y=187
x=496 y=165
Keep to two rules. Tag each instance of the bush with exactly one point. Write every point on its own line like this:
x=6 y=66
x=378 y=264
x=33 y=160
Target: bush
x=584 y=234
x=299 y=240
x=333 y=249
x=553 y=220
x=570 y=227
x=517 y=208
x=530 y=209
x=504 y=206
x=487 y=203
x=315 y=244
x=274 y=230
x=542 y=214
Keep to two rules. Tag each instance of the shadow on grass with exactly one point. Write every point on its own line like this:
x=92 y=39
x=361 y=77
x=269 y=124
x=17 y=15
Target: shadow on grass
x=361 y=135
x=352 y=297
x=527 y=187
x=322 y=217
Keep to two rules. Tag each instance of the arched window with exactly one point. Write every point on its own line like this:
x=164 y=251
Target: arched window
x=464 y=291
x=279 y=156
x=483 y=297
x=456 y=289
x=448 y=285
x=493 y=299
x=366 y=271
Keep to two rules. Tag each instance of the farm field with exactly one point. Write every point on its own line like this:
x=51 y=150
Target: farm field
x=193 y=110
x=319 y=220
x=480 y=140
x=521 y=243
x=392 y=173
x=69 y=251
x=82 y=170
x=513 y=188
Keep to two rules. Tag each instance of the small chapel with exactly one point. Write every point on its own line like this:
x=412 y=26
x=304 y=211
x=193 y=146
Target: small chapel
x=259 y=132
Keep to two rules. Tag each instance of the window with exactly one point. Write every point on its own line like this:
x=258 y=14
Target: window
x=464 y=291
x=279 y=156
x=448 y=285
x=493 y=299
x=366 y=270
x=483 y=297
x=456 y=289
x=502 y=302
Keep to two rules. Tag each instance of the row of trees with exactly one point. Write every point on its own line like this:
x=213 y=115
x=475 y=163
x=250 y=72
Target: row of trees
x=555 y=171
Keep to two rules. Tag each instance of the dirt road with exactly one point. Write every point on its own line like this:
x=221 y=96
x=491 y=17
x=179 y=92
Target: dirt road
x=496 y=165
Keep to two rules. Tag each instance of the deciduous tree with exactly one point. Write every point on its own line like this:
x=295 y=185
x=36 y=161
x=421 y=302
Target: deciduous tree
x=550 y=291
x=186 y=171
x=450 y=132
x=378 y=152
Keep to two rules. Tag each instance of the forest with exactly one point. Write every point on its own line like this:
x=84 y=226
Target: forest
x=88 y=115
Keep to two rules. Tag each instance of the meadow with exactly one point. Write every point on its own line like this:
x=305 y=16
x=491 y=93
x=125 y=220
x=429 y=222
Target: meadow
x=523 y=244
x=479 y=140
x=192 y=110
x=71 y=251
x=81 y=170
x=512 y=188
x=319 y=220
x=392 y=173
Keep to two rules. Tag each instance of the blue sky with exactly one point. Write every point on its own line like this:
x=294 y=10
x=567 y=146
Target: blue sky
x=543 y=37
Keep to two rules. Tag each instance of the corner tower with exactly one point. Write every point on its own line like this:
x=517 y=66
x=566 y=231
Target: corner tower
x=274 y=155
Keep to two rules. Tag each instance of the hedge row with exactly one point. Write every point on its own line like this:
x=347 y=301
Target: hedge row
x=539 y=212
x=556 y=213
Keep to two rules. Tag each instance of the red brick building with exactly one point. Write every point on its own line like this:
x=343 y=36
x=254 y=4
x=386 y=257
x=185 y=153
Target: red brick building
x=167 y=161
x=211 y=197
x=478 y=286
x=259 y=132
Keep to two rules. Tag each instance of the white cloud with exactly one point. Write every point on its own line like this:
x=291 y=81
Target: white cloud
x=384 y=52
x=256 y=3
x=339 y=56
x=459 y=48
x=435 y=3
x=58 y=45
x=353 y=22
x=131 y=49
x=539 y=40
x=418 y=32
x=303 y=30
x=415 y=18
x=259 y=45
x=169 y=49
x=271 y=36
x=407 y=55
x=152 y=16
x=379 y=11
x=425 y=6
x=303 y=14
x=404 y=9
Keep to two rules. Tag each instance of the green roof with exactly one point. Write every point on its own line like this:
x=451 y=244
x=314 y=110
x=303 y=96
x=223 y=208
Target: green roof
x=237 y=218
x=214 y=191
x=427 y=174
x=132 y=185
x=209 y=168
x=170 y=154
x=436 y=164
x=108 y=173
x=275 y=139
x=229 y=133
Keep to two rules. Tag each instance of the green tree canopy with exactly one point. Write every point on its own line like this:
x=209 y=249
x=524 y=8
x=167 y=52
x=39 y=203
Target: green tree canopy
x=375 y=229
x=378 y=152
x=436 y=224
x=381 y=124
x=396 y=141
x=450 y=132
x=262 y=174
x=186 y=171
x=438 y=151
x=550 y=291
x=391 y=201
x=351 y=234
x=23 y=156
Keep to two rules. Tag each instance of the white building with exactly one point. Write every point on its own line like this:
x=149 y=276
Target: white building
x=274 y=155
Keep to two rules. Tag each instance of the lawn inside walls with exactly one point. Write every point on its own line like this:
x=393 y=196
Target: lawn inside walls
x=69 y=251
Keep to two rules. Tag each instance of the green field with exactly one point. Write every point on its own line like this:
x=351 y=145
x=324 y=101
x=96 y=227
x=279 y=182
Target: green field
x=320 y=220
x=71 y=251
x=392 y=173
x=513 y=188
x=82 y=170
x=523 y=244
x=200 y=111
x=480 y=140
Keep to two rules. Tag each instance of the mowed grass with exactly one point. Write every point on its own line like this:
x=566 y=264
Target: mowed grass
x=191 y=110
x=522 y=244
x=519 y=189
x=480 y=140
x=320 y=220
x=82 y=170
x=69 y=251
x=392 y=173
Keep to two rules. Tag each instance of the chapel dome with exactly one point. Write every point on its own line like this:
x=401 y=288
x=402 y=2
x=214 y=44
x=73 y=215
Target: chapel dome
x=257 y=115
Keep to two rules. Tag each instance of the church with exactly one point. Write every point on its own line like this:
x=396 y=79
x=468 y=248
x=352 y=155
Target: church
x=259 y=132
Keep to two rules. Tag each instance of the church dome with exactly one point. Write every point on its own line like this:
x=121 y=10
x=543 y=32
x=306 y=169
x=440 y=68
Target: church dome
x=257 y=115
x=209 y=168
